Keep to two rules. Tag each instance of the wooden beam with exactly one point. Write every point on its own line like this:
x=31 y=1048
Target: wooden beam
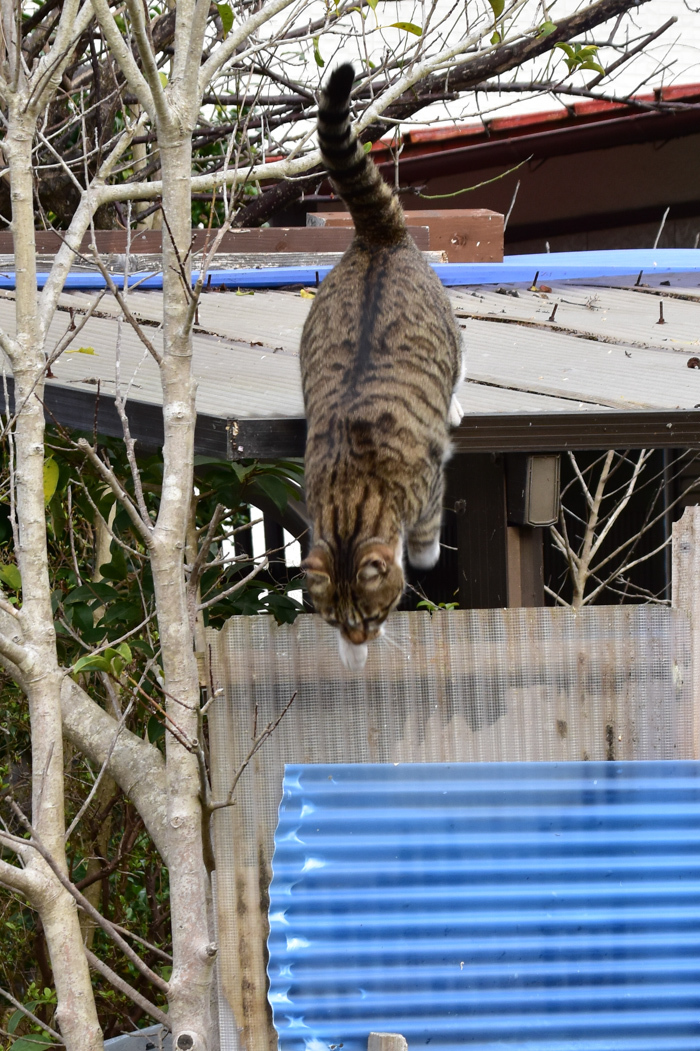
x=270 y=239
x=467 y=235
x=387 y=1042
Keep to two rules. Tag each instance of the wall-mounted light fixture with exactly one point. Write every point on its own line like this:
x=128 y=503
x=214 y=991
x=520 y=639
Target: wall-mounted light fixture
x=532 y=488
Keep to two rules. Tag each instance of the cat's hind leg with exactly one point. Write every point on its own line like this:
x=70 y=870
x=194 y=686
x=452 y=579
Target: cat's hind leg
x=456 y=412
x=423 y=540
x=424 y=554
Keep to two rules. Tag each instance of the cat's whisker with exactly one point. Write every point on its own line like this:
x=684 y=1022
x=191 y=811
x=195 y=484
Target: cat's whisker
x=392 y=642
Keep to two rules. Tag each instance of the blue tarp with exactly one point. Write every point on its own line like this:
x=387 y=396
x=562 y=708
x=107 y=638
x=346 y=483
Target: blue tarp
x=552 y=267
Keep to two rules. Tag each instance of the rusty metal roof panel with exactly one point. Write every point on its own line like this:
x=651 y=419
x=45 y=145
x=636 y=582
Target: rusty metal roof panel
x=609 y=315
x=542 y=361
x=602 y=350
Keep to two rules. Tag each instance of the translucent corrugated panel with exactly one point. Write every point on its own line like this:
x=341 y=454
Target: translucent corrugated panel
x=608 y=683
x=547 y=906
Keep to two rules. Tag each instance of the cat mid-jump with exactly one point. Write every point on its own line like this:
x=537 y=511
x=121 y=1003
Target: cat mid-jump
x=380 y=359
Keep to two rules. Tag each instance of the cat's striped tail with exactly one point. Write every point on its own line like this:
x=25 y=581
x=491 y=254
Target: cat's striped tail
x=375 y=210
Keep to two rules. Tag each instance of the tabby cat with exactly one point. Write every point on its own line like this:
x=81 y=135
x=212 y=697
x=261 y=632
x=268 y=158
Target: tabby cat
x=380 y=358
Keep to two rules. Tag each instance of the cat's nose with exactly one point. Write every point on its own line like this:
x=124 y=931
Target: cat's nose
x=356 y=635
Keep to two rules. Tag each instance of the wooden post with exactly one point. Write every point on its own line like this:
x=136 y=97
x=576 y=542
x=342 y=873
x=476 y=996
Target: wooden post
x=387 y=1042
x=476 y=489
x=525 y=566
x=685 y=593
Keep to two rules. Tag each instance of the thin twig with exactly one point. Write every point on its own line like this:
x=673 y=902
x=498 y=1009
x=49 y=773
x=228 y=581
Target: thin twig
x=138 y=329
x=236 y=587
x=103 y=770
x=257 y=744
x=37 y=1021
x=143 y=528
x=86 y=905
x=128 y=990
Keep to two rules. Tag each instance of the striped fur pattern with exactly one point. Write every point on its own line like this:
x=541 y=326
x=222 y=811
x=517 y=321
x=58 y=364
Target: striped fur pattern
x=380 y=358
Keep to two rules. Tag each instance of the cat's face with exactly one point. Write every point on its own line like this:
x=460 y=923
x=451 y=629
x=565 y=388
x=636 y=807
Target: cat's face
x=359 y=603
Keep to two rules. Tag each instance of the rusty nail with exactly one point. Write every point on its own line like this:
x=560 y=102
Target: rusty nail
x=554 y=312
x=661 y=315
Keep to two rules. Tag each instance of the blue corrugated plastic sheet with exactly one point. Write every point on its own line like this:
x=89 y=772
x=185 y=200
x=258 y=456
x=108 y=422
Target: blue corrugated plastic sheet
x=519 y=906
x=516 y=269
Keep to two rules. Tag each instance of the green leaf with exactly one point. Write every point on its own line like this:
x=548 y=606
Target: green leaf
x=546 y=28
x=163 y=78
x=156 y=730
x=91 y=662
x=17 y=1016
x=34 y=1042
x=592 y=65
x=496 y=37
x=373 y=4
x=275 y=489
x=367 y=146
x=201 y=461
x=567 y=48
x=411 y=27
x=51 y=473
x=98 y=590
x=283 y=608
x=124 y=651
x=124 y=612
x=117 y=569
x=84 y=350
x=226 y=16
x=317 y=53
x=10 y=575
x=242 y=472
x=497 y=7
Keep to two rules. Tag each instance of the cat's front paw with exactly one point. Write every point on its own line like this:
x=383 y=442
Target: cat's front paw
x=456 y=412
x=352 y=657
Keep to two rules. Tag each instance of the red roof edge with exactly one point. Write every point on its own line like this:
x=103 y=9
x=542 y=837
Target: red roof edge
x=432 y=140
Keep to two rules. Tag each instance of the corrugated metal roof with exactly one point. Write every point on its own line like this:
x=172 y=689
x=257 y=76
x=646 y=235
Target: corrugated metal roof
x=469 y=686
x=603 y=350
x=528 y=906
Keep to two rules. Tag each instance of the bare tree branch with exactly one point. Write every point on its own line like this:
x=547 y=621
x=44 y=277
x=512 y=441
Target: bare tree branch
x=128 y=990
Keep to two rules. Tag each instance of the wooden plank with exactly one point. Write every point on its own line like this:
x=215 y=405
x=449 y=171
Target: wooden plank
x=525 y=566
x=387 y=1042
x=685 y=590
x=270 y=239
x=467 y=235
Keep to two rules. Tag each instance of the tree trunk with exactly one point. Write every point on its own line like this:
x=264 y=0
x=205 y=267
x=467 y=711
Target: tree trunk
x=76 y=1012
x=193 y=948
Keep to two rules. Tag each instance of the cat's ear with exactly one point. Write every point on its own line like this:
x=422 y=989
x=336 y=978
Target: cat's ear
x=375 y=563
x=316 y=565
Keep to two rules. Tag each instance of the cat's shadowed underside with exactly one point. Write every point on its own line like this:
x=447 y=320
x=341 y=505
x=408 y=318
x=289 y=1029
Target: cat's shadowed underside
x=380 y=358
